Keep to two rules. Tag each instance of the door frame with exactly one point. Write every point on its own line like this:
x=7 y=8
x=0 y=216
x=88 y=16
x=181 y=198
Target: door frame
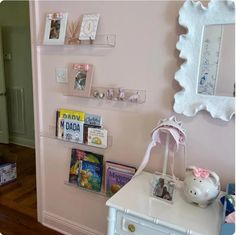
x=4 y=137
x=40 y=173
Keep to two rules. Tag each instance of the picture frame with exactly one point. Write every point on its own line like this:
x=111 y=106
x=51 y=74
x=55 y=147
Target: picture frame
x=55 y=28
x=164 y=188
x=89 y=26
x=80 y=79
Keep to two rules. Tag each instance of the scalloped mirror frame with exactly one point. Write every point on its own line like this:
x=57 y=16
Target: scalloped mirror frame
x=194 y=16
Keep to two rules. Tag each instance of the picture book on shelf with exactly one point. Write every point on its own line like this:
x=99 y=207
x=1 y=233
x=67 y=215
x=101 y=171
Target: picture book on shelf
x=86 y=126
x=73 y=131
x=97 y=137
x=91 y=176
x=74 y=166
x=92 y=119
x=63 y=114
x=77 y=156
x=116 y=179
x=71 y=114
x=121 y=167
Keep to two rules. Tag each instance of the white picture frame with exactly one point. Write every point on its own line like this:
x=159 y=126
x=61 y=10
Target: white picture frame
x=194 y=16
x=89 y=26
x=55 y=28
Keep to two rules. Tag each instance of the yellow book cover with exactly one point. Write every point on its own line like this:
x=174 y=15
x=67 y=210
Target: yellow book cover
x=71 y=114
x=67 y=114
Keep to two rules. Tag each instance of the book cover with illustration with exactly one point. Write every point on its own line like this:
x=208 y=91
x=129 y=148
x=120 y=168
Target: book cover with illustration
x=71 y=114
x=115 y=180
x=92 y=119
x=97 y=137
x=86 y=126
x=74 y=166
x=73 y=131
x=63 y=114
x=77 y=156
x=91 y=176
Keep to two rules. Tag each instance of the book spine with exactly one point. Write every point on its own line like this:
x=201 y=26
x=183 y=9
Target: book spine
x=57 y=116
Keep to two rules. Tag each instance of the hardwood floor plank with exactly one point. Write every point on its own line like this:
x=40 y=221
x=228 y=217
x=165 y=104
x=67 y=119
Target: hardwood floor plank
x=18 y=204
x=15 y=223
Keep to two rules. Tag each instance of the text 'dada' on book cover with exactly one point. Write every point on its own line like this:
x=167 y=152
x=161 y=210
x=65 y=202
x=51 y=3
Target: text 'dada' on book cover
x=73 y=131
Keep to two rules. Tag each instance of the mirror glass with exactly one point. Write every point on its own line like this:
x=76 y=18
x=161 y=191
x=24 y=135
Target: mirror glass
x=216 y=75
x=207 y=76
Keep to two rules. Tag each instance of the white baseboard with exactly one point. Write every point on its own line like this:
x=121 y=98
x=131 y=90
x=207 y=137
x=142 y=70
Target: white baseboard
x=66 y=226
x=22 y=141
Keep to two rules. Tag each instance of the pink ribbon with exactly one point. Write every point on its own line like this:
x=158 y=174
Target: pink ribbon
x=81 y=66
x=200 y=172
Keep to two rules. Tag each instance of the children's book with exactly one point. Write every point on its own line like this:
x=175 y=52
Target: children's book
x=67 y=114
x=71 y=114
x=97 y=137
x=86 y=126
x=73 y=131
x=92 y=119
x=77 y=156
x=91 y=176
x=75 y=163
x=119 y=167
x=115 y=180
x=57 y=116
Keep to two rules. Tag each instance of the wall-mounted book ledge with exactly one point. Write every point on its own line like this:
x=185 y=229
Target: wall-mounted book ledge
x=51 y=133
x=102 y=40
x=119 y=94
x=101 y=193
x=116 y=95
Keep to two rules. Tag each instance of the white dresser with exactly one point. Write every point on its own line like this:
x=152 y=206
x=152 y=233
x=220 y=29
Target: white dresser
x=133 y=211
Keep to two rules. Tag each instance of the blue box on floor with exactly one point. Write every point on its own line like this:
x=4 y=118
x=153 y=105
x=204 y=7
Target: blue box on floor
x=7 y=173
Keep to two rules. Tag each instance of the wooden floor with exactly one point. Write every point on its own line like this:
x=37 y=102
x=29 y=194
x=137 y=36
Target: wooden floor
x=18 y=212
x=16 y=223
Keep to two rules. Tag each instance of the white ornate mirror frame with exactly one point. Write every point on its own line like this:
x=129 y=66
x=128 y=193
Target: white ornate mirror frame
x=194 y=16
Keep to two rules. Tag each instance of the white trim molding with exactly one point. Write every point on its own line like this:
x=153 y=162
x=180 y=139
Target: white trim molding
x=194 y=16
x=66 y=226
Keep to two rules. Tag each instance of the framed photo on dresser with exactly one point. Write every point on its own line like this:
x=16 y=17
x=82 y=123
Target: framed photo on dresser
x=164 y=189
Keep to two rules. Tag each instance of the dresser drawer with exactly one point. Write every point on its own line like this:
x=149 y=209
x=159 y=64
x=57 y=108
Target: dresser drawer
x=127 y=225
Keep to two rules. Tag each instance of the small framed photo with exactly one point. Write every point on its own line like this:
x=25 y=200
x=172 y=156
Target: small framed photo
x=80 y=79
x=55 y=29
x=89 y=26
x=164 y=189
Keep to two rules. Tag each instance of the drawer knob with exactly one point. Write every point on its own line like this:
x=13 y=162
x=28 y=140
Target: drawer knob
x=131 y=228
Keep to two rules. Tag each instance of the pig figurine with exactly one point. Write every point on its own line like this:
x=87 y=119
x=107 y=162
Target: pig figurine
x=201 y=186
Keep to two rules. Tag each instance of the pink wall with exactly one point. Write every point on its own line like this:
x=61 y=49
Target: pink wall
x=144 y=58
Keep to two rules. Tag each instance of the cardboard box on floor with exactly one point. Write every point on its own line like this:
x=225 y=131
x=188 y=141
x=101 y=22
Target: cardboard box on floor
x=8 y=162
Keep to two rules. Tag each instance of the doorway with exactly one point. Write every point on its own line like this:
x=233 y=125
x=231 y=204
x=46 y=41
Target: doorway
x=16 y=106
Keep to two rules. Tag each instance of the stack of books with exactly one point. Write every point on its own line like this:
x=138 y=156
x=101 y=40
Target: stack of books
x=116 y=176
x=80 y=127
x=86 y=169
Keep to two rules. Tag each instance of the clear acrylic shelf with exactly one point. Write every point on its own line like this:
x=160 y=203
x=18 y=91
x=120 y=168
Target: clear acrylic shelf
x=102 y=193
x=117 y=95
x=51 y=133
x=102 y=40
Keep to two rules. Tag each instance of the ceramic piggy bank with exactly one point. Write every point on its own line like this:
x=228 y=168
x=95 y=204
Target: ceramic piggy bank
x=201 y=186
